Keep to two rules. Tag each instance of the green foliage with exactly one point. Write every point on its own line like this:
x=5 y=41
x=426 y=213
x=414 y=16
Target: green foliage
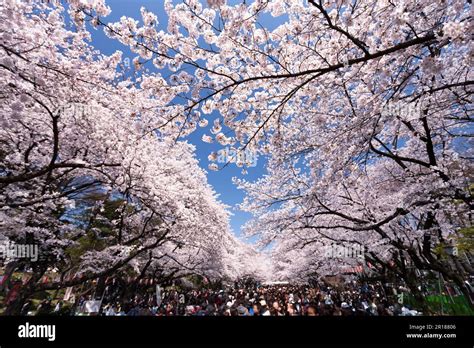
x=466 y=239
x=100 y=229
x=464 y=242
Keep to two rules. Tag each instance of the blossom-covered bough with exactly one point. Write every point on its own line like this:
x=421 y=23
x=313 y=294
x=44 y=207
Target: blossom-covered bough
x=364 y=109
x=82 y=174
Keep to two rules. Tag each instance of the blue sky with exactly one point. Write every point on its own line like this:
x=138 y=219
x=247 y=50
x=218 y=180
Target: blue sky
x=221 y=180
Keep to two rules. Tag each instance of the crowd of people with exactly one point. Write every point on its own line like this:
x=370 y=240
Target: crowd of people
x=353 y=299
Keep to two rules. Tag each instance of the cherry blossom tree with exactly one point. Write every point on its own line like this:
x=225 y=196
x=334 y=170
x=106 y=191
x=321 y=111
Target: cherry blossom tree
x=363 y=109
x=76 y=127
